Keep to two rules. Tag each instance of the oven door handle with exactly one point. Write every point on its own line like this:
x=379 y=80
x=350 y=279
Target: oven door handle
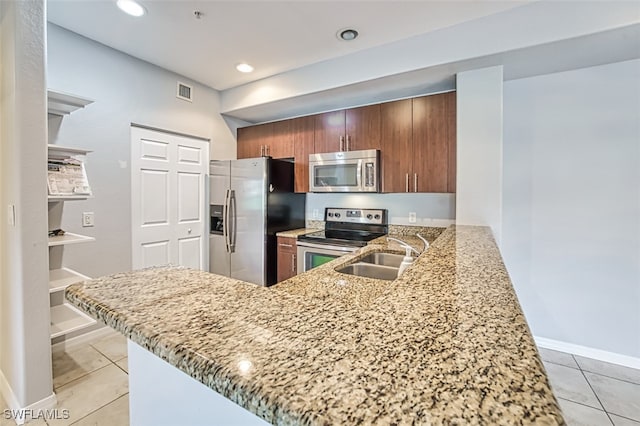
x=327 y=247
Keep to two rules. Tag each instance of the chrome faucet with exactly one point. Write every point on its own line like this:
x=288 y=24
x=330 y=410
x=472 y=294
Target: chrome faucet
x=408 y=246
x=424 y=241
x=404 y=244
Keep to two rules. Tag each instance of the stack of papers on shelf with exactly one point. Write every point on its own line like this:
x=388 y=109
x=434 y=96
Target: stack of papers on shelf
x=67 y=177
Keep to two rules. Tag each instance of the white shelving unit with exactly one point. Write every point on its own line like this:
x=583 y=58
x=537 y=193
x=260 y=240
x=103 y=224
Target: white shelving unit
x=65 y=318
x=55 y=198
x=59 y=103
x=59 y=279
x=69 y=238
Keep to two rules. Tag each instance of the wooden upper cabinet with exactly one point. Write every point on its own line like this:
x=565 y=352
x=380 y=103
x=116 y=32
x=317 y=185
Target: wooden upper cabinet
x=416 y=137
x=302 y=133
x=397 y=143
x=451 y=103
x=250 y=141
x=362 y=128
x=280 y=145
x=348 y=130
x=431 y=145
x=270 y=139
x=418 y=144
x=329 y=132
x=434 y=143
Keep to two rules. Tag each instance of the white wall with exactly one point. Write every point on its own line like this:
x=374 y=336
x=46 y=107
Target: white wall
x=25 y=354
x=533 y=24
x=125 y=90
x=479 y=149
x=431 y=209
x=571 y=225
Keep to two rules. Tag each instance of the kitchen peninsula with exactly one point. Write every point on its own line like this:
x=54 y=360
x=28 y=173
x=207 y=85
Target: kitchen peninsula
x=446 y=343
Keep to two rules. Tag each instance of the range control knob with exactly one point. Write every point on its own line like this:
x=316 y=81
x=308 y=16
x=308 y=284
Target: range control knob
x=337 y=215
x=330 y=214
x=369 y=216
x=377 y=216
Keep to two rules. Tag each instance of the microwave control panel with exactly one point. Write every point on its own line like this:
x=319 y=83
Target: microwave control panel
x=369 y=174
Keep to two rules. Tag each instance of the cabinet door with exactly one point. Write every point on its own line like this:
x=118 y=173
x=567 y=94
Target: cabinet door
x=302 y=136
x=363 y=128
x=286 y=258
x=280 y=143
x=430 y=144
x=251 y=140
x=329 y=132
x=396 y=144
x=451 y=135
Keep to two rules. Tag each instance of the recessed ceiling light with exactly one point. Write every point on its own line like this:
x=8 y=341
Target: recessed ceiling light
x=347 y=34
x=244 y=67
x=131 y=7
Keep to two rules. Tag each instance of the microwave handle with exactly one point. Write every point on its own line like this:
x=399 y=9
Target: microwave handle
x=359 y=177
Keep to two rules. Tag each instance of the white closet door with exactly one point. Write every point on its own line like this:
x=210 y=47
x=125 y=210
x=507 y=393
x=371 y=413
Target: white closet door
x=168 y=201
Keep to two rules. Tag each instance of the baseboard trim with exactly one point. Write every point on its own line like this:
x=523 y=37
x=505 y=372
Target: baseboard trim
x=7 y=393
x=11 y=400
x=81 y=339
x=599 y=354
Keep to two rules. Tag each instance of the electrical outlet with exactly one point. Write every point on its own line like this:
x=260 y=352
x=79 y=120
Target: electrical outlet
x=87 y=219
x=412 y=217
x=316 y=214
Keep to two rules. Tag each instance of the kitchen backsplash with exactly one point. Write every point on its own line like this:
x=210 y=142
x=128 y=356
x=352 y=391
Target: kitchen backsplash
x=430 y=210
x=429 y=232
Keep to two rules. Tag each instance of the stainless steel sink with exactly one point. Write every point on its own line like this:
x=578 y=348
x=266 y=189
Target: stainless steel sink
x=370 y=270
x=385 y=259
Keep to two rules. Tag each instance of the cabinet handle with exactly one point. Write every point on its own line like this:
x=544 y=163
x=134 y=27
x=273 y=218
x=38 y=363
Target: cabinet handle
x=348 y=143
x=406 y=182
x=267 y=150
x=341 y=143
x=293 y=263
x=261 y=150
x=285 y=245
x=415 y=182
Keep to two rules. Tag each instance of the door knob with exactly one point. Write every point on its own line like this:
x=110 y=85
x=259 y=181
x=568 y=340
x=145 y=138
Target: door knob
x=189 y=230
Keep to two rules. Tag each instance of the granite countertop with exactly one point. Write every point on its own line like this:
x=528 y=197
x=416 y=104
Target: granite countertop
x=446 y=343
x=294 y=233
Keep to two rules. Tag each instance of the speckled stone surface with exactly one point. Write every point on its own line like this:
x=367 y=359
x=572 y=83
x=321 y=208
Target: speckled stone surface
x=429 y=233
x=294 y=233
x=316 y=224
x=446 y=343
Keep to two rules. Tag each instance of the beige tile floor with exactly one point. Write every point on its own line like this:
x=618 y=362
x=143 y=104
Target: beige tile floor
x=593 y=392
x=91 y=381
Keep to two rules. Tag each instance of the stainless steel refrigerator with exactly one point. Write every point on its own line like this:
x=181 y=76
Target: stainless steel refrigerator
x=250 y=200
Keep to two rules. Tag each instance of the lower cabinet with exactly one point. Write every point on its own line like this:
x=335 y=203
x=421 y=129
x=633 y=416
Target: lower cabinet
x=287 y=258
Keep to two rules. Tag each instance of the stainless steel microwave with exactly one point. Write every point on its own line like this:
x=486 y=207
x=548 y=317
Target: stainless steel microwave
x=349 y=171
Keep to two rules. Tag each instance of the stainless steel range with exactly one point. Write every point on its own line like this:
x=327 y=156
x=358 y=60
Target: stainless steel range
x=345 y=231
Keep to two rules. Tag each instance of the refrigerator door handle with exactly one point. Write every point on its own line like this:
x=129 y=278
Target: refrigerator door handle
x=234 y=218
x=226 y=223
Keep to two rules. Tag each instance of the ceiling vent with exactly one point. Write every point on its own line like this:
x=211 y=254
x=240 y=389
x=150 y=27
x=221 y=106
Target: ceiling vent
x=184 y=92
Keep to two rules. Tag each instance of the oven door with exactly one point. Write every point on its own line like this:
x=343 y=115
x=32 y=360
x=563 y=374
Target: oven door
x=311 y=255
